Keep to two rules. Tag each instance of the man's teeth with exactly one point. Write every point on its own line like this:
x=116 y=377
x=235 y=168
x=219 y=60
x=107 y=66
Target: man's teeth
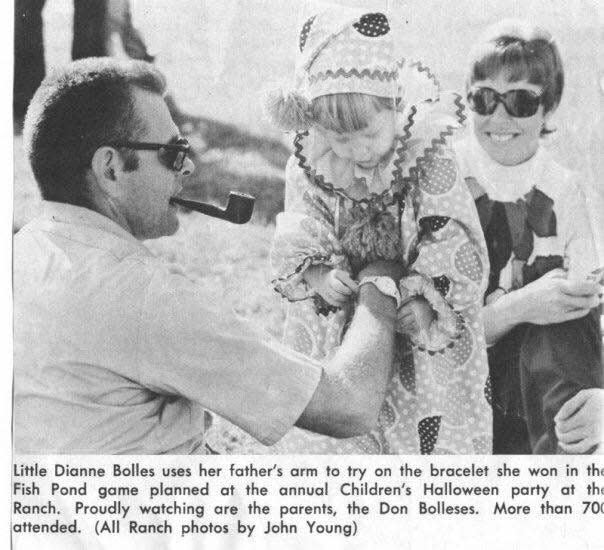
x=500 y=138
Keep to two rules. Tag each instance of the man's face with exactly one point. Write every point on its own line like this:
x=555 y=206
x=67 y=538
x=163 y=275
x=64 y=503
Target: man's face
x=145 y=202
x=508 y=140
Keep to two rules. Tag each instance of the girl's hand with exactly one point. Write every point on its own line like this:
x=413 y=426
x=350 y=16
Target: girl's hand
x=335 y=286
x=555 y=299
x=415 y=316
x=580 y=423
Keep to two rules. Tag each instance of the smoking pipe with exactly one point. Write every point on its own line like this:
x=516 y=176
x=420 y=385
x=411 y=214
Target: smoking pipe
x=239 y=207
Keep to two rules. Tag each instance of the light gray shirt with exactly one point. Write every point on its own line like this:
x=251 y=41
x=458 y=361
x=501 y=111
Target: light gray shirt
x=115 y=353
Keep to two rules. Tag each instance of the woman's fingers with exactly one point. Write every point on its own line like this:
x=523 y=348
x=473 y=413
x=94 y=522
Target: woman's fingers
x=579 y=447
x=573 y=436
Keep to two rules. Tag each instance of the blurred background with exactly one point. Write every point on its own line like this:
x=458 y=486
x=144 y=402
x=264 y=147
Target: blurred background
x=220 y=56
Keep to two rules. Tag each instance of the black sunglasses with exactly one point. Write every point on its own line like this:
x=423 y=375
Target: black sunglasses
x=517 y=103
x=172 y=154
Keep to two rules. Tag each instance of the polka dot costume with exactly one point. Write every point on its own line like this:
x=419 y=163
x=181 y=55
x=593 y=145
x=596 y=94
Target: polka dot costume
x=435 y=401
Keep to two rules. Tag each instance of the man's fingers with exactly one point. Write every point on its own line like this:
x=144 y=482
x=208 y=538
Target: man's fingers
x=571 y=407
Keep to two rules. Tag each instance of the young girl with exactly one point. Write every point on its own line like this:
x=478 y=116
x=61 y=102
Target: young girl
x=534 y=216
x=372 y=179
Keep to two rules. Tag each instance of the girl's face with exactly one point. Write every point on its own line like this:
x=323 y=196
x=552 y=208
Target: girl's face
x=366 y=147
x=509 y=140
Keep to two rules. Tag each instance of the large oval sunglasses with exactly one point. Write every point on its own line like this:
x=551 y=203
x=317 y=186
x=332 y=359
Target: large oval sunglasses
x=517 y=103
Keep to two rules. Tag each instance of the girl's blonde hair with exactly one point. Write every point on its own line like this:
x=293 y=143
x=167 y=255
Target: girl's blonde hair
x=340 y=113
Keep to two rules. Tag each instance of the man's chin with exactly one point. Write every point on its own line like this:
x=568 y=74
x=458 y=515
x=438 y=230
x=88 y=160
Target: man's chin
x=169 y=226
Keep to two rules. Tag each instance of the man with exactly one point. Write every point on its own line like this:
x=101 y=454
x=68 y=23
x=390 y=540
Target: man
x=114 y=353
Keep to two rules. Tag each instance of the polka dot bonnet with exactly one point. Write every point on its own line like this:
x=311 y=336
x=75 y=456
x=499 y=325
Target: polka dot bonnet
x=344 y=51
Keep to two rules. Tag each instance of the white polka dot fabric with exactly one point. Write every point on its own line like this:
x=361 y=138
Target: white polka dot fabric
x=352 y=50
x=435 y=402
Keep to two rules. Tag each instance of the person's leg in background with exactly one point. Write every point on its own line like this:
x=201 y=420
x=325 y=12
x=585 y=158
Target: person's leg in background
x=29 y=54
x=89 y=29
x=556 y=362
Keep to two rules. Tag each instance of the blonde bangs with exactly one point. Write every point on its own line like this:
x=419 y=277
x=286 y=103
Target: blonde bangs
x=344 y=113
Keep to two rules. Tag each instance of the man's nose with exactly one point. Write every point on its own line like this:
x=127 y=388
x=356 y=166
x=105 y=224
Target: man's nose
x=187 y=167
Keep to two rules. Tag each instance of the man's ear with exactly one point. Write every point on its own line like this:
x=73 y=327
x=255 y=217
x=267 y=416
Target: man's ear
x=105 y=165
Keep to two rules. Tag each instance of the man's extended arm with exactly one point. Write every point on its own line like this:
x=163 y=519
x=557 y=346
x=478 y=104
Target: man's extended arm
x=349 y=396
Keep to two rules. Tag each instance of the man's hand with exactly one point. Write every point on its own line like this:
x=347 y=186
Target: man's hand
x=580 y=423
x=555 y=299
x=415 y=316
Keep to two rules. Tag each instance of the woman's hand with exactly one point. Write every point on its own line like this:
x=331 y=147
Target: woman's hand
x=555 y=299
x=580 y=422
x=548 y=300
x=335 y=286
x=415 y=316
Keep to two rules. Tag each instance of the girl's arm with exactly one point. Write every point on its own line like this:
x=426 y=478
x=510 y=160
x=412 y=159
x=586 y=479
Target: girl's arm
x=451 y=265
x=305 y=246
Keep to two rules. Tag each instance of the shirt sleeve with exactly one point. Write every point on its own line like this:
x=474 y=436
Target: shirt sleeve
x=304 y=235
x=190 y=345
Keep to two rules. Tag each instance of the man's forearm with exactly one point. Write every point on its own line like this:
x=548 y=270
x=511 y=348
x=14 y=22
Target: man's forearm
x=349 y=397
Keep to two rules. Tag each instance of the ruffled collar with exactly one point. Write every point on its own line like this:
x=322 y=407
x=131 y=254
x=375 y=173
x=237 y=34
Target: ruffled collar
x=422 y=129
x=500 y=182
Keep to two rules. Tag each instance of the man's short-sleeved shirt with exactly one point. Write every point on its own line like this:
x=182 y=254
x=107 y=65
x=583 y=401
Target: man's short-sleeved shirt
x=115 y=353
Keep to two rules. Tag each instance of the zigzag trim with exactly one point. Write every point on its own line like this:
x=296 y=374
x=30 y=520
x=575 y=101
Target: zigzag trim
x=399 y=151
x=430 y=152
x=319 y=179
x=424 y=69
x=376 y=74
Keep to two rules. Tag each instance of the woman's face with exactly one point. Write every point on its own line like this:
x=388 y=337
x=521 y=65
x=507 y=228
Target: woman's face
x=366 y=147
x=508 y=140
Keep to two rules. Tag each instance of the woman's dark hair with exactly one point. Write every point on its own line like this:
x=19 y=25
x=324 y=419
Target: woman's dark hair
x=522 y=52
x=77 y=109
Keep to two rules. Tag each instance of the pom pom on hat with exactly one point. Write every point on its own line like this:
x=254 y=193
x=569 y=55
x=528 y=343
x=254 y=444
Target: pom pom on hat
x=288 y=109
